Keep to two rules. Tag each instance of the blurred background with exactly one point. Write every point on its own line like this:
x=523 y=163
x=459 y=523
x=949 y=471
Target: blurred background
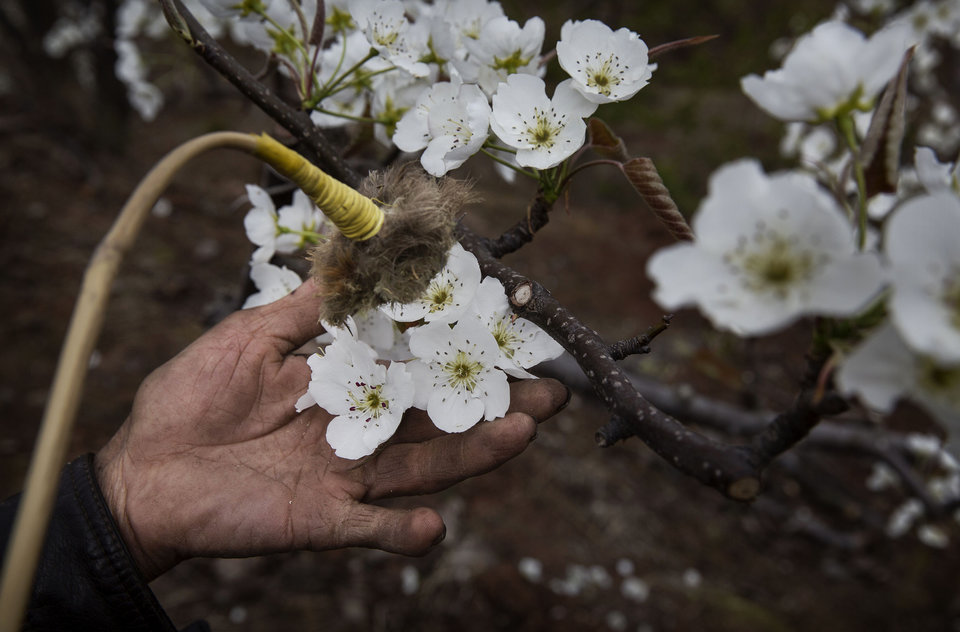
x=567 y=537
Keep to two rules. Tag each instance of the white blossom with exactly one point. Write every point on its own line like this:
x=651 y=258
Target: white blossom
x=522 y=344
x=387 y=29
x=934 y=175
x=456 y=379
x=367 y=400
x=768 y=250
x=831 y=70
x=922 y=244
x=273 y=283
x=449 y=129
x=605 y=65
x=503 y=49
x=544 y=131
x=449 y=294
x=883 y=369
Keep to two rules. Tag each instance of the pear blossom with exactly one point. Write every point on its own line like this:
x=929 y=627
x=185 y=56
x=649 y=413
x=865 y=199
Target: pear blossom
x=883 y=369
x=934 y=175
x=350 y=97
x=503 y=49
x=544 y=131
x=468 y=17
x=606 y=66
x=456 y=380
x=375 y=329
x=450 y=129
x=367 y=400
x=284 y=232
x=769 y=249
x=394 y=94
x=449 y=294
x=832 y=70
x=921 y=244
x=273 y=283
x=522 y=344
x=386 y=28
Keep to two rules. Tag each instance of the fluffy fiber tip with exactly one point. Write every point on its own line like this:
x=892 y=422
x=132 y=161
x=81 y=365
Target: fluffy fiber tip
x=398 y=263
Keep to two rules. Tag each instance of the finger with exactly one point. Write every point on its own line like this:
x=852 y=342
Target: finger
x=405 y=531
x=541 y=399
x=293 y=320
x=423 y=468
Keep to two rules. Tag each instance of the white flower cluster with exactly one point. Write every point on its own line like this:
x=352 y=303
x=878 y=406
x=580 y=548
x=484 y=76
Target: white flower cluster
x=440 y=77
x=450 y=352
x=770 y=249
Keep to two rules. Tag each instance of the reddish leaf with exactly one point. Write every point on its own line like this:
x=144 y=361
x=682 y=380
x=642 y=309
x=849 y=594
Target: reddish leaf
x=605 y=142
x=644 y=177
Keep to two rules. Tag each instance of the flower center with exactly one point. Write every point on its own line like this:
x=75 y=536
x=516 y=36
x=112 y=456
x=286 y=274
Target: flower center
x=368 y=400
x=605 y=76
x=944 y=382
x=542 y=134
x=439 y=295
x=772 y=263
x=506 y=338
x=512 y=63
x=462 y=371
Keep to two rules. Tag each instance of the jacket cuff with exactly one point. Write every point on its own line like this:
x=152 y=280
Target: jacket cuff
x=86 y=578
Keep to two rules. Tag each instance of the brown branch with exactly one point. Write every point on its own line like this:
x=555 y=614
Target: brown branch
x=521 y=233
x=723 y=467
x=638 y=344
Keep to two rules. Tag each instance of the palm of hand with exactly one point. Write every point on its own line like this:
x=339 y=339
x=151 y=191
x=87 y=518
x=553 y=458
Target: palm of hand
x=215 y=461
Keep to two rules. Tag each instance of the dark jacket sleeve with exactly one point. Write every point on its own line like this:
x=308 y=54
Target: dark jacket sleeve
x=86 y=579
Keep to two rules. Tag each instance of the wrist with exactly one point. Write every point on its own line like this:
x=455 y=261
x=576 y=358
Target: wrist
x=112 y=473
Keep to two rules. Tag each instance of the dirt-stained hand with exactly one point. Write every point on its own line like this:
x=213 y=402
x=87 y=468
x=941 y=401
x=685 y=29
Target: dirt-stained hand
x=214 y=460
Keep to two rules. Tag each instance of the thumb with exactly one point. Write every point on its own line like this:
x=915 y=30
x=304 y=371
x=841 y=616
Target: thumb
x=294 y=319
x=405 y=531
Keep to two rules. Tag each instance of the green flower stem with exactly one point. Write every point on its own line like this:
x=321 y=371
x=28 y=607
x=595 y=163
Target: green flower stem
x=530 y=174
x=507 y=150
x=350 y=117
x=328 y=88
x=586 y=165
x=847 y=130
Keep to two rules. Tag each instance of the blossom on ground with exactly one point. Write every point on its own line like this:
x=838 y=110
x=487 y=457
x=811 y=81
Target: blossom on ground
x=449 y=294
x=883 y=369
x=367 y=400
x=503 y=49
x=606 y=66
x=544 y=131
x=456 y=380
x=449 y=129
x=273 y=283
x=922 y=245
x=832 y=70
x=769 y=249
x=522 y=344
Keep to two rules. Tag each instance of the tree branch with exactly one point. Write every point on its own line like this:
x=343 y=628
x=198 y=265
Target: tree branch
x=295 y=121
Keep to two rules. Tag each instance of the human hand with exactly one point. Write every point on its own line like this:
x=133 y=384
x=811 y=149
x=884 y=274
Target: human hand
x=214 y=460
